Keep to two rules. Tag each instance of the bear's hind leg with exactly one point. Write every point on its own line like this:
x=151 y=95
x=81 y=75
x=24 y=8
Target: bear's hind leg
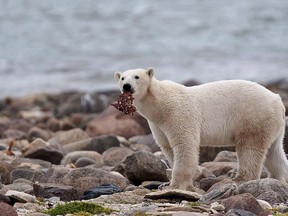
x=276 y=162
x=251 y=156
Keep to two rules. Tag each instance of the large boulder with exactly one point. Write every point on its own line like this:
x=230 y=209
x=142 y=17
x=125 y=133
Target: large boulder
x=144 y=166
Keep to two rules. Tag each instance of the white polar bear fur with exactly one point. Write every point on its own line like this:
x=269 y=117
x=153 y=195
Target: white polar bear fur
x=223 y=113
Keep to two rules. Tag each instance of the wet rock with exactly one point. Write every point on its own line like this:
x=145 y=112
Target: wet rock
x=84 y=161
x=7 y=210
x=29 y=174
x=226 y=156
x=144 y=166
x=47 y=190
x=98 y=144
x=20 y=196
x=218 y=193
x=267 y=189
x=111 y=121
x=174 y=194
x=208 y=153
x=54 y=174
x=239 y=212
x=115 y=155
x=83 y=179
x=243 y=201
x=14 y=134
x=36 y=132
x=67 y=137
x=72 y=157
x=104 y=189
x=219 y=168
x=5 y=170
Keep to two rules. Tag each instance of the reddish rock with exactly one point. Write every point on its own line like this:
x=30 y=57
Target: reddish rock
x=5 y=170
x=115 y=155
x=7 y=210
x=243 y=201
x=111 y=121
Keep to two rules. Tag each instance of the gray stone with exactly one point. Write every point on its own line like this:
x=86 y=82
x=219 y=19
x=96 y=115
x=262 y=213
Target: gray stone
x=5 y=170
x=226 y=156
x=84 y=161
x=208 y=153
x=54 y=174
x=261 y=186
x=174 y=194
x=29 y=174
x=36 y=132
x=104 y=189
x=19 y=196
x=67 y=137
x=72 y=157
x=83 y=179
x=144 y=166
x=46 y=153
x=219 y=168
x=220 y=193
x=47 y=190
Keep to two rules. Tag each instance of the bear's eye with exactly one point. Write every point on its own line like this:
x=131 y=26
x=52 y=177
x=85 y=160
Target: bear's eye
x=137 y=77
x=122 y=78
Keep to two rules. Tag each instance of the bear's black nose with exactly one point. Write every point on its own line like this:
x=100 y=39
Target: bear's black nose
x=127 y=87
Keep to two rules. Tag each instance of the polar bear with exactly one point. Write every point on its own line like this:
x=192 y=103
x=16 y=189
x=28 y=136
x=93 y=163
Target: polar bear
x=223 y=113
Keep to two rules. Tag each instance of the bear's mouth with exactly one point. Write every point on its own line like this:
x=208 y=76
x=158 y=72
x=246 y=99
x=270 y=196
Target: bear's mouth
x=127 y=88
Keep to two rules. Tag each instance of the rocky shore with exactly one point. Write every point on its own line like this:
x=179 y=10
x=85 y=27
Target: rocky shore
x=74 y=146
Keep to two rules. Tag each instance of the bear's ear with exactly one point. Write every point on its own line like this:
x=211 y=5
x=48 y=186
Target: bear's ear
x=150 y=72
x=117 y=75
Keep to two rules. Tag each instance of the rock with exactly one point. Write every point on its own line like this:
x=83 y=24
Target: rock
x=4 y=199
x=174 y=194
x=54 y=174
x=48 y=153
x=218 y=193
x=128 y=197
x=226 y=156
x=244 y=201
x=271 y=197
x=72 y=157
x=84 y=161
x=20 y=196
x=98 y=144
x=36 y=132
x=83 y=179
x=37 y=143
x=219 y=168
x=7 y=210
x=22 y=162
x=104 y=189
x=67 y=137
x=115 y=155
x=208 y=153
x=147 y=140
x=144 y=166
x=29 y=174
x=47 y=190
x=217 y=207
x=111 y=121
x=14 y=134
x=5 y=170
x=266 y=188
x=239 y=212
x=53 y=124
x=206 y=183
x=21 y=187
x=151 y=185
x=264 y=205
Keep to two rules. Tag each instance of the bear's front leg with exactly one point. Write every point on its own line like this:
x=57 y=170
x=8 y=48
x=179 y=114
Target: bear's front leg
x=186 y=153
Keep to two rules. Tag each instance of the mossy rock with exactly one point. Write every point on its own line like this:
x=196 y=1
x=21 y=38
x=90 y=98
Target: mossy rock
x=81 y=208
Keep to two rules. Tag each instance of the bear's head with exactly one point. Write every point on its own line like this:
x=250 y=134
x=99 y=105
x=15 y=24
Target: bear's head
x=136 y=81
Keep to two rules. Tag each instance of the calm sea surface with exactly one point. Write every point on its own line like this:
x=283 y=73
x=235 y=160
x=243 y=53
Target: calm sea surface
x=50 y=46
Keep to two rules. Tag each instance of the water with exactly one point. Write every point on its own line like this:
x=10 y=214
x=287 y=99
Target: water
x=50 y=46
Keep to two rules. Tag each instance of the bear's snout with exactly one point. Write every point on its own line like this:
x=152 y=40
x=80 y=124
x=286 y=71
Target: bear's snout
x=127 y=88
